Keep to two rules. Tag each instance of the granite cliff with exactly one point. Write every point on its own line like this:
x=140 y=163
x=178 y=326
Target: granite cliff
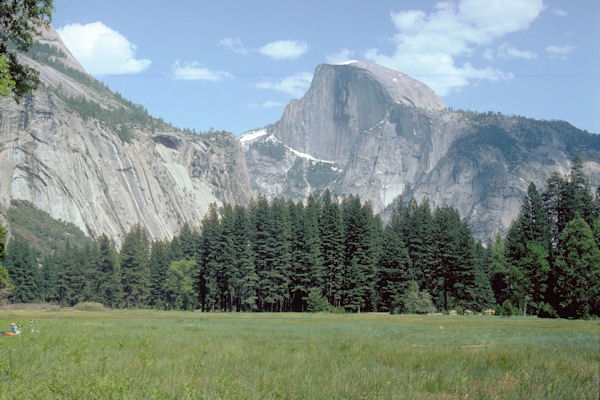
x=87 y=156
x=365 y=129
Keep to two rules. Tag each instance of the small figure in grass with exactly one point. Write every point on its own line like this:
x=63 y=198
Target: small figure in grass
x=14 y=330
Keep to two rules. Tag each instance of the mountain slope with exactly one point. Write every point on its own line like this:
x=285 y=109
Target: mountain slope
x=365 y=129
x=89 y=157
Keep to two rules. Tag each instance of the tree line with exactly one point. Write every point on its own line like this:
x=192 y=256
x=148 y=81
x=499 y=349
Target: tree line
x=336 y=254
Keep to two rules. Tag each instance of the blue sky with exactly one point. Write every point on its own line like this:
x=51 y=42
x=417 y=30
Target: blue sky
x=234 y=65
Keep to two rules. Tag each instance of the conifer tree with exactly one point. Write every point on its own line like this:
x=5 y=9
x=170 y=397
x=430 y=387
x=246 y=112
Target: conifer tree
x=260 y=234
x=205 y=275
x=359 y=275
x=527 y=245
x=332 y=247
x=300 y=260
x=70 y=276
x=244 y=278
x=277 y=277
x=160 y=259
x=23 y=272
x=108 y=283
x=394 y=273
x=5 y=284
x=135 y=274
x=577 y=269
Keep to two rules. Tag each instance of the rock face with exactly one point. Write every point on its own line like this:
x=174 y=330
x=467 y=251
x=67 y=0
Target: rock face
x=365 y=129
x=85 y=155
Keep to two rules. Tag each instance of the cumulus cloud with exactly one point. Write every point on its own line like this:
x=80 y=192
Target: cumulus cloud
x=284 y=49
x=235 y=45
x=429 y=45
x=197 y=71
x=508 y=52
x=340 y=57
x=295 y=84
x=102 y=50
x=266 y=104
x=559 y=51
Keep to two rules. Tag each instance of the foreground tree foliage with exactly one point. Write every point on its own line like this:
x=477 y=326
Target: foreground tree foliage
x=335 y=254
x=20 y=21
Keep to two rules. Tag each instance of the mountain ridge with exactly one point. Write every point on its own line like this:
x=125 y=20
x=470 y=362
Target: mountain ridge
x=86 y=155
x=480 y=163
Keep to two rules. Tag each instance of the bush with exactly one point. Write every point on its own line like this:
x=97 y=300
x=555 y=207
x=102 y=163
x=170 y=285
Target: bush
x=508 y=309
x=546 y=311
x=459 y=310
x=415 y=302
x=316 y=302
x=89 y=306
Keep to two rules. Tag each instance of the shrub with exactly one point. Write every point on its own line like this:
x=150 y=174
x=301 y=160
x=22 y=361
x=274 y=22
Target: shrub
x=316 y=302
x=459 y=310
x=546 y=311
x=89 y=306
x=415 y=302
x=508 y=309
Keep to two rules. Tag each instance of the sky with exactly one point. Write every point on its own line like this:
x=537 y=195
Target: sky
x=235 y=65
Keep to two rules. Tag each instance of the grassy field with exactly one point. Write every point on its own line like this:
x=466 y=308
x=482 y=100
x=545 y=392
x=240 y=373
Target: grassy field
x=169 y=355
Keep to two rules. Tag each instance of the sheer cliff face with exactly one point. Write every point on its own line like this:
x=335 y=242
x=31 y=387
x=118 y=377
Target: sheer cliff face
x=365 y=129
x=75 y=165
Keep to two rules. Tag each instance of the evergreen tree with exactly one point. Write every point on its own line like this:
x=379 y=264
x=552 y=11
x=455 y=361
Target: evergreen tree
x=453 y=272
x=244 y=278
x=135 y=274
x=70 y=276
x=5 y=284
x=179 y=284
x=359 y=254
x=227 y=259
x=417 y=235
x=578 y=196
x=484 y=295
x=48 y=279
x=527 y=244
x=22 y=271
x=499 y=271
x=275 y=280
x=577 y=269
x=394 y=273
x=313 y=243
x=107 y=284
x=160 y=259
x=300 y=260
x=206 y=273
x=332 y=248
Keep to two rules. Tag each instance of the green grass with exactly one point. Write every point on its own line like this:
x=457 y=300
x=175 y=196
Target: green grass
x=170 y=355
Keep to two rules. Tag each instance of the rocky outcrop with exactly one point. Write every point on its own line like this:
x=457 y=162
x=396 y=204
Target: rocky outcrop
x=368 y=130
x=86 y=156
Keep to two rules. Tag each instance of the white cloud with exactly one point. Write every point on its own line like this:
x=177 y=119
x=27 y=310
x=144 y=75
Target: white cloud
x=196 y=71
x=235 y=45
x=101 y=50
x=508 y=52
x=266 y=104
x=429 y=46
x=559 y=51
x=340 y=57
x=295 y=84
x=559 y=12
x=284 y=49
x=488 y=54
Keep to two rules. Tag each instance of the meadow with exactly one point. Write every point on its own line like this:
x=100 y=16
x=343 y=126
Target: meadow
x=179 y=355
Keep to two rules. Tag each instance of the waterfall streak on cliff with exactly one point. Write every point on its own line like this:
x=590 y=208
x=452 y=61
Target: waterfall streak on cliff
x=122 y=169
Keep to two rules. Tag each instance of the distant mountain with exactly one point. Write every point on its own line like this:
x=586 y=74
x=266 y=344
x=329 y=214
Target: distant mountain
x=365 y=129
x=91 y=158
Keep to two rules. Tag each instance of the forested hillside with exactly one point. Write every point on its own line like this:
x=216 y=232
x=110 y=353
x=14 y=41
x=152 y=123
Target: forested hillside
x=335 y=254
